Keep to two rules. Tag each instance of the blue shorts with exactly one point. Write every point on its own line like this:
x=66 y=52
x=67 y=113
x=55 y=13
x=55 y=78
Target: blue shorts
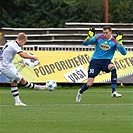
x=98 y=65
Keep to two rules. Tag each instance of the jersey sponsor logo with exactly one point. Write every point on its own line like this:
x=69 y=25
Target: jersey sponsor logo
x=104 y=46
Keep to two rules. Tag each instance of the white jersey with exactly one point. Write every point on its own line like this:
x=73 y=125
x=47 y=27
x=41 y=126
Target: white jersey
x=10 y=49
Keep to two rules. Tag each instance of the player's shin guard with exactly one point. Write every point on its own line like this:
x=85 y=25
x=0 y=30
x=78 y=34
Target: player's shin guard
x=113 y=78
x=15 y=93
x=84 y=88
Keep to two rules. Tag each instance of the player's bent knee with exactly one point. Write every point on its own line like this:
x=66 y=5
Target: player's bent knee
x=22 y=81
x=113 y=68
x=90 y=81
x=14 y=83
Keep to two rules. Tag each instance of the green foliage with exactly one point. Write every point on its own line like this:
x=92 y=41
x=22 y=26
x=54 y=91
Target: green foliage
x=121 y=11
x=54 y=13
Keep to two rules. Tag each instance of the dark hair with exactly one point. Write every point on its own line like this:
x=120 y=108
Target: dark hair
x=107 y=27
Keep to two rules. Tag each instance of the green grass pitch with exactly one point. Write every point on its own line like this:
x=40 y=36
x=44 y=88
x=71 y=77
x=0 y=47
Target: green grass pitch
x=57 y=112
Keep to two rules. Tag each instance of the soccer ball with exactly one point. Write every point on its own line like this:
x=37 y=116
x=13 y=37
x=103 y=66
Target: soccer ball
x=30 y=62
x=51 y=85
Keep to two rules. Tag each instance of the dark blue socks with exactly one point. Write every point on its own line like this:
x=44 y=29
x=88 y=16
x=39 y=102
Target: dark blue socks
x=113 y=78
x=84 y=88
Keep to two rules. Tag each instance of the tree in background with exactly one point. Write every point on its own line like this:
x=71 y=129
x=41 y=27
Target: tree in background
x=121 y=11
x=54 y=13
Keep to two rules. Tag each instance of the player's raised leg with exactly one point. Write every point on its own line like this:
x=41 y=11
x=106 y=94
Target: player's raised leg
x=27 y=84
x=34 y=86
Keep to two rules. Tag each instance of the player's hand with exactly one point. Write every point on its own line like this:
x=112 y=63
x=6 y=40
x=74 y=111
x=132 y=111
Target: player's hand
x=35 y=58
x=119 y=37
x=91 y=33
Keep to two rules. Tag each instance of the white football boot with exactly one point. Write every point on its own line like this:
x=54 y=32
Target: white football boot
x=39 y=87
x=78 y=97
x=20 y=104
x=116 y=94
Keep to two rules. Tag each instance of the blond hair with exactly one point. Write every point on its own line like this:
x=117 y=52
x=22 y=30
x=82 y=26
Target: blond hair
x=22 y=36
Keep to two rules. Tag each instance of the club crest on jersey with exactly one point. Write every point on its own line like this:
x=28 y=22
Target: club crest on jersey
x=104 y=46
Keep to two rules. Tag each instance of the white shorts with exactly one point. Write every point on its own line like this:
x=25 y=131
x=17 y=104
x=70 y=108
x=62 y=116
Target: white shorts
x=11 y=73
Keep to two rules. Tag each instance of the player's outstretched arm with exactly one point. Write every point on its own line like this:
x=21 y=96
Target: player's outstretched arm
x=91 y=34
x=25 y=55
x=121 y=48
x=119 y=38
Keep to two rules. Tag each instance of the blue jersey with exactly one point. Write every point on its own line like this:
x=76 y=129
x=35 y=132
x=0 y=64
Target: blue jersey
x=104 y=48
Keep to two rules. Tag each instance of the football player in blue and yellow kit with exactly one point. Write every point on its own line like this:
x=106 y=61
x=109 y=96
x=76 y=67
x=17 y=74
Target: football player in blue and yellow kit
x=105 y=48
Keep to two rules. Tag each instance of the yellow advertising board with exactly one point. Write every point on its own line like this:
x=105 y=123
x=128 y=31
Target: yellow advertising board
x=71 y=66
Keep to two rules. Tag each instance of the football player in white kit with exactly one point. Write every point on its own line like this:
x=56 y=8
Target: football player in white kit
x=10 y=49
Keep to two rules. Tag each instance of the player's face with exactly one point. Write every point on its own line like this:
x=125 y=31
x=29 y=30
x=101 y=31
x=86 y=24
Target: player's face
x=22 y=42
x=107 y=34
